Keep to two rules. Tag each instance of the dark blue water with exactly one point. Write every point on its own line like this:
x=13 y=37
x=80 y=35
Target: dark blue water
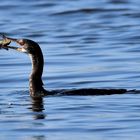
x=86 y=44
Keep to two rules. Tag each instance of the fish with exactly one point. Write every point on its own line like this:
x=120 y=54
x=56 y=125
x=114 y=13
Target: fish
x=4 y=43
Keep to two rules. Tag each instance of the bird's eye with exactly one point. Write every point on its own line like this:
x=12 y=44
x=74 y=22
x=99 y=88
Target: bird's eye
x=21 y=42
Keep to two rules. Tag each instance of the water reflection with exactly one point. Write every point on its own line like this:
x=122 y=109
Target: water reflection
x=38 y=107
x=41 y=137
x=93 y=44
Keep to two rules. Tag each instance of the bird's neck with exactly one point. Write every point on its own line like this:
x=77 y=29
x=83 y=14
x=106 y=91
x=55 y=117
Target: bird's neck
x=36 y=84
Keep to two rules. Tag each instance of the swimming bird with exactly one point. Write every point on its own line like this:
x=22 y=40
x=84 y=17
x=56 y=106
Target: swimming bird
x=36 y=88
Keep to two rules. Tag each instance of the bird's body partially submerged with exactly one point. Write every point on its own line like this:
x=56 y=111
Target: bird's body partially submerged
x=35 y=81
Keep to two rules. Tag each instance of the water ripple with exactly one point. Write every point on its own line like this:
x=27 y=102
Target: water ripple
x=86 y=44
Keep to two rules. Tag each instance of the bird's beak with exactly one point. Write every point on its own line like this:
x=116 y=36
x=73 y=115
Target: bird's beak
x=20 y=49
x=12 y=39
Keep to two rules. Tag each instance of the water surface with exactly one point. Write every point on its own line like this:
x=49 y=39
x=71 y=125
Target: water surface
x=86 y=44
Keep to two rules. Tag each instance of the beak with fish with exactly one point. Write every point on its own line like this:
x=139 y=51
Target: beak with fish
x=5 y=43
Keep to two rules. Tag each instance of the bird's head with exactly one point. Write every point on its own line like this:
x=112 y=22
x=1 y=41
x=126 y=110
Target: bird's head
x=26 y=45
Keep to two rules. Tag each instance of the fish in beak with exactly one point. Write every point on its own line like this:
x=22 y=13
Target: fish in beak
x=7 y=40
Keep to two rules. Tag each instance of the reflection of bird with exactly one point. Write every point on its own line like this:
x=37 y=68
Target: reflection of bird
x=38 y=107
x=35 y=82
